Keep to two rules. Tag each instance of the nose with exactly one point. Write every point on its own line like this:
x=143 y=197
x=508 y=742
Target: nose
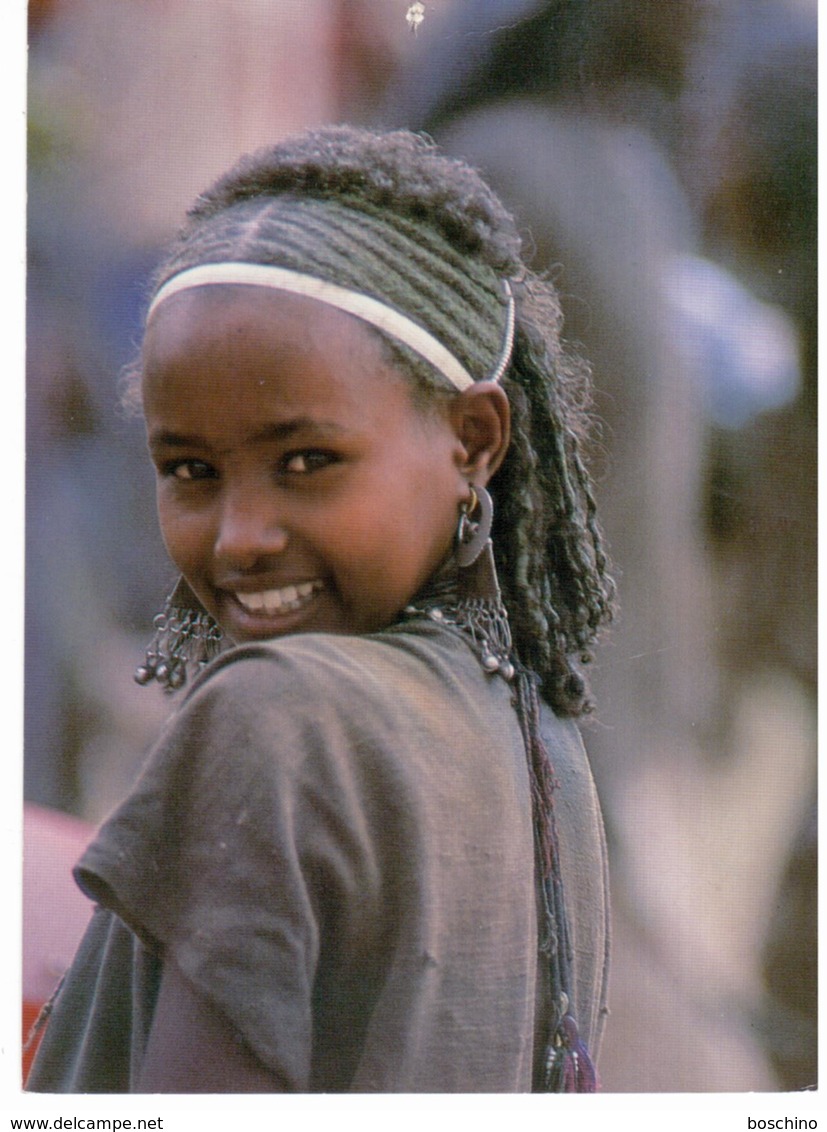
x=249 y=531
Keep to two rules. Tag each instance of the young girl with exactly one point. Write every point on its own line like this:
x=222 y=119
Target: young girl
x=366 y=855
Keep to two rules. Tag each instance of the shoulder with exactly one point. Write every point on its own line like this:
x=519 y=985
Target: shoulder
x=310 y=711
x=576 y=801
x=318 y=677
x=315 y=657
x=564 y=742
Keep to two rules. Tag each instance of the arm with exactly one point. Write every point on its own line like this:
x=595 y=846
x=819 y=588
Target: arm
x=193 y=1048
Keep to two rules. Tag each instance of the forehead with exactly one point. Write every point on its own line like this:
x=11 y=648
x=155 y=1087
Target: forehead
x=246 y=350
x=240 y=316
x=259 y=329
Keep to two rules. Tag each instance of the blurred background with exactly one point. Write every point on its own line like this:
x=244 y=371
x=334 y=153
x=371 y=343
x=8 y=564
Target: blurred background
x=661 y=158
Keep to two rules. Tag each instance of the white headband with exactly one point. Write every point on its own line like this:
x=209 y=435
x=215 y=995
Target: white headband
x=384 y=318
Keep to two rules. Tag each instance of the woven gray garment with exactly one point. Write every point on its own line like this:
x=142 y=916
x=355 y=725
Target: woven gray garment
x=403 y=263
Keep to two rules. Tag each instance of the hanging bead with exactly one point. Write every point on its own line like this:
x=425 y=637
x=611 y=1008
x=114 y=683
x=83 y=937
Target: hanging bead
x=185 y=635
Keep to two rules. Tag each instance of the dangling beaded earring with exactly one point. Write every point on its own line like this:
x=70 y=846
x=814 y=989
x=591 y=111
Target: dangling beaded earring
x=480 y=609
x=476 y=608
x=185 y=634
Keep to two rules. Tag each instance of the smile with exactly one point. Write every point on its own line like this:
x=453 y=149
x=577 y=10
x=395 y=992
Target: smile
x=285 y=600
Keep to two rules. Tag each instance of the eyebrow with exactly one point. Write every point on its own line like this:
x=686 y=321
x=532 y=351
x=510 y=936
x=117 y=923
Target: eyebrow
x=277 y=431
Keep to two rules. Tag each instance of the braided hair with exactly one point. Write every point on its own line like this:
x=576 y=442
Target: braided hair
x=548 y=548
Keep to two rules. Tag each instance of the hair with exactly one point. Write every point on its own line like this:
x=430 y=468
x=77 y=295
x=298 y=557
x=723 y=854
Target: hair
x=548 y=547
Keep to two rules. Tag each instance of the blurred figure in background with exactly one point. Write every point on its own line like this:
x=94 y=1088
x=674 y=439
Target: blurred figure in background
x=751 y=162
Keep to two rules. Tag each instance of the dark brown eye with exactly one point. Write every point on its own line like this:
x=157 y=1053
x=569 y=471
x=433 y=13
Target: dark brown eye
x=188 y=470
x=308 y=460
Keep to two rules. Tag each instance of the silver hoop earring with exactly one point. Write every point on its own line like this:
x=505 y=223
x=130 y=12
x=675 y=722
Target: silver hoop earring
x=472 y=535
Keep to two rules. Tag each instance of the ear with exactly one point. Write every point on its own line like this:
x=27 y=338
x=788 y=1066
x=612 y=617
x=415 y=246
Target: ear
x=481 y=419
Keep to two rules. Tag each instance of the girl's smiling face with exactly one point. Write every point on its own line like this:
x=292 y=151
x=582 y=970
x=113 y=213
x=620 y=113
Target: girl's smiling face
x=299 y=487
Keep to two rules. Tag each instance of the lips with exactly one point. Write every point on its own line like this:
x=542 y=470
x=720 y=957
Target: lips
x=272 y=603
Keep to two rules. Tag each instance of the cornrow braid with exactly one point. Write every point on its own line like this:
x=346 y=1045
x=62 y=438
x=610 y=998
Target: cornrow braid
x=389 y=212
x=398 y=171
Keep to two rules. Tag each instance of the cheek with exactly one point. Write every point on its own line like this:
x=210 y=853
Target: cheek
x=408 y=527
x=184 y=536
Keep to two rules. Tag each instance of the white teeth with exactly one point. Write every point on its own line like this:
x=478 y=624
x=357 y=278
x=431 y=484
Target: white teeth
x=279 y=601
